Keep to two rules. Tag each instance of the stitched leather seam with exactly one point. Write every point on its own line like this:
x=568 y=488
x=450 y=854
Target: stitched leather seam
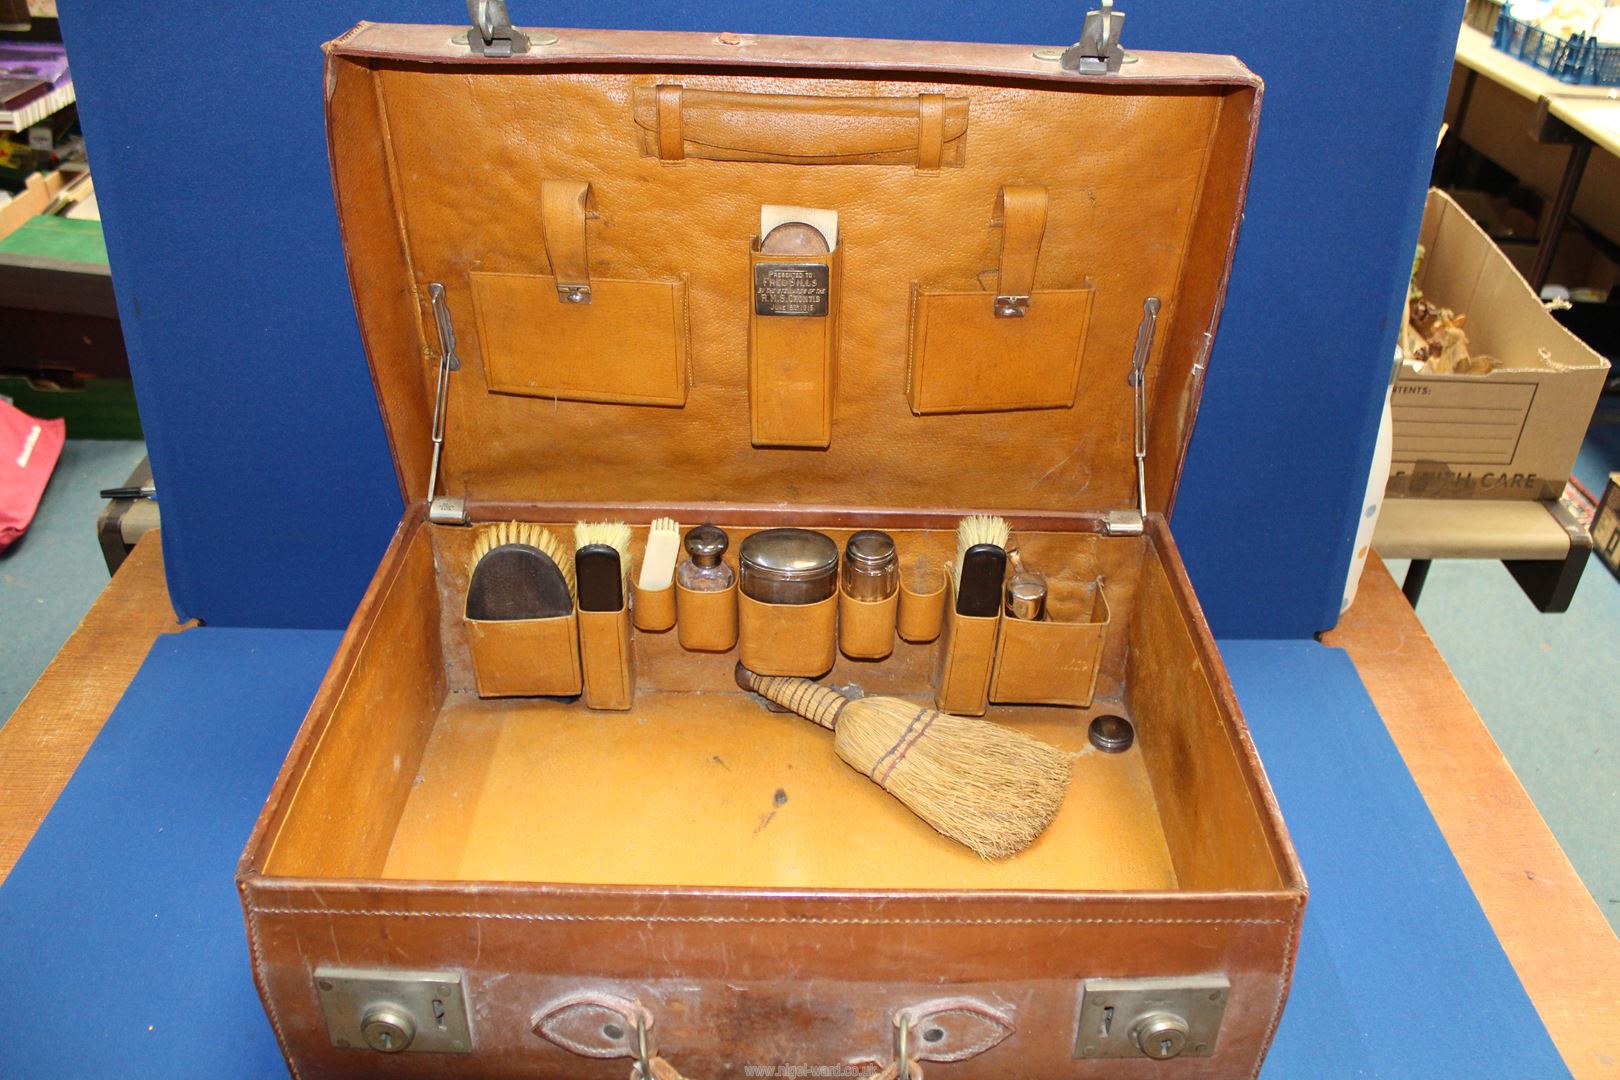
x=527 y=916
x=1283 y=982
x=269 y=999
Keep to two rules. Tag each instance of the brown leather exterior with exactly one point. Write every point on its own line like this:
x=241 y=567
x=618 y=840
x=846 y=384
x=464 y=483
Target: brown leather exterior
x=697 y=860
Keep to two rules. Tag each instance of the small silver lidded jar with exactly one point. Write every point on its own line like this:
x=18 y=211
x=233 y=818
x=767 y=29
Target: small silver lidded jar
x=788 y=566
x=871 y=566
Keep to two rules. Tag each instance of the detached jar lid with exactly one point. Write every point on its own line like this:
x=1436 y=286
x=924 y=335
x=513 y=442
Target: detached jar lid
x=788 y=566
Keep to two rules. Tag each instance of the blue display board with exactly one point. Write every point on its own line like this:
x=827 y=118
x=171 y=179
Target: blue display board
x=206 y=135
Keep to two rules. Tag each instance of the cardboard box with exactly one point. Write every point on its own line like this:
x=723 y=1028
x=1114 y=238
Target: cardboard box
x=1509 y=434
x=1606 y=525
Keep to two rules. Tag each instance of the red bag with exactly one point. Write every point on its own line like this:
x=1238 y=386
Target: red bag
x=29 y=450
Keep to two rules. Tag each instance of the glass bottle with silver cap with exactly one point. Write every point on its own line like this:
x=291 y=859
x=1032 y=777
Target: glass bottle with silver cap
x=871 y=566
x=788 y=566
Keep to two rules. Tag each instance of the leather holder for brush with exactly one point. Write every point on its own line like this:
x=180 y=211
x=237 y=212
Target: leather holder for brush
x=653 y=609
x=513 y=654
x=964 y=660
x=607 y=659
x=788 y=639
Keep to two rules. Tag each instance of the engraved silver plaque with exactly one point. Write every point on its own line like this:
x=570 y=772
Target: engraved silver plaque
x=790 y=288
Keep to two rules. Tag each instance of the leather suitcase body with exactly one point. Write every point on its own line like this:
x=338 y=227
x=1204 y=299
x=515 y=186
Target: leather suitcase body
x=448 y=885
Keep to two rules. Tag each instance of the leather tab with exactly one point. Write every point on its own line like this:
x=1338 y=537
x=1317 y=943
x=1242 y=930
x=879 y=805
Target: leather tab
x=564 y=207
x=671 y=135
x=1021 y=215
x=955 y=1029
x=930 y=131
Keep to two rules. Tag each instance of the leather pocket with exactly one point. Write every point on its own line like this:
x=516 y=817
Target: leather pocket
x=922 y=610
x=965 y=658
x=525 y=657
x=866 y=627
x=926 y=131
x=654 y=609
x=964 y=359
x=626 y=346
x=792 y=347
x=788 y=639
x=1053 y=662
x=708 y=620
x=607 y=662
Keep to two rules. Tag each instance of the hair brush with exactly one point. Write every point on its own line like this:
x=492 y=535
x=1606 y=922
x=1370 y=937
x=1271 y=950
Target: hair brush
x=518 y=570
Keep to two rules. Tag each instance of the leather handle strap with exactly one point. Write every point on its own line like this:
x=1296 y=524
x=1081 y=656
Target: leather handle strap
x=564 y=207
x=1021 y=216
x=671 y=129
x=930 y=131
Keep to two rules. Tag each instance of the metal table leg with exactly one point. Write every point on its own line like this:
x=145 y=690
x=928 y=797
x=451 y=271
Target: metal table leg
x=1549 y=129
x=1416 y=574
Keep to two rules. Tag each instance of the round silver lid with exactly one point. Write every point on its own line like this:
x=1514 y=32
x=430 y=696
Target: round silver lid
x=870 y=549
x=789 y=554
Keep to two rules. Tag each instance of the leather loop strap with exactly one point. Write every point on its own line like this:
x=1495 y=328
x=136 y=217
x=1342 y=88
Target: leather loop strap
x=930 y=131
x=671 y=136
x=1021 y=214
x=564 y=207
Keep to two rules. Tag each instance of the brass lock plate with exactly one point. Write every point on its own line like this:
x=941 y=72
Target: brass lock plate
x=1159 y=1018
x=392 y=1012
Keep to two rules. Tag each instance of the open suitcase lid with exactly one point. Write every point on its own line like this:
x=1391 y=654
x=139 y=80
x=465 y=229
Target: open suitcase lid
x=439 y=157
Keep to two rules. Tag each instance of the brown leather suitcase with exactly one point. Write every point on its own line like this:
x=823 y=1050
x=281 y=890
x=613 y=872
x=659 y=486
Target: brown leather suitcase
x=559 y=248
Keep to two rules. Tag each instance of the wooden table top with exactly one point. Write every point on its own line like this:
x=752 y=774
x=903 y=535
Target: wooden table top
x=1475 y=52
x=1557 y=939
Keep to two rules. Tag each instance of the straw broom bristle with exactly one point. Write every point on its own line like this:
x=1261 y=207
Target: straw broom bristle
x=527 y=534
x=991 y=788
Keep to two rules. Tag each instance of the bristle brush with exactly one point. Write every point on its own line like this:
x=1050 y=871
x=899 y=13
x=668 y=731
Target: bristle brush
x=981 y=564
x=518 y=570
x=601 y=564
x=658 y=561
x=990 y=787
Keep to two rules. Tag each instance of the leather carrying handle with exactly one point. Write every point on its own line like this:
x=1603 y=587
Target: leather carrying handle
x=925 y=130
x=1021 y=215
x=565 y=206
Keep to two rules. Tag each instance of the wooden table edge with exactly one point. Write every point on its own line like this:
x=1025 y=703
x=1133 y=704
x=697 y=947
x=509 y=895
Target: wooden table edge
x=1551 y=929
x=1553 y=932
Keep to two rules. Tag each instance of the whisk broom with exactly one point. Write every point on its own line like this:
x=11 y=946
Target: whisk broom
x=988 y=787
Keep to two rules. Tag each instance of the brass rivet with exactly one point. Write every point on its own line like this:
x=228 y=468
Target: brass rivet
x=729 y=38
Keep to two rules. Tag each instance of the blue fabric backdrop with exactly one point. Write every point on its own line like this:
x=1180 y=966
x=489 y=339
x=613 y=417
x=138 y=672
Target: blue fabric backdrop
x=205 y=132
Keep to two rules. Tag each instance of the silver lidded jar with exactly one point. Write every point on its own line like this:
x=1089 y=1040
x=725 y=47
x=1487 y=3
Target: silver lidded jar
x=788 y=566
x=871 y=566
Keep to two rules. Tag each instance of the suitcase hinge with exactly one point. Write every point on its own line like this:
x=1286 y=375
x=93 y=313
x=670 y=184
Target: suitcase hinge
x=1129 y=522
x=442 y=509
x=1098 y=52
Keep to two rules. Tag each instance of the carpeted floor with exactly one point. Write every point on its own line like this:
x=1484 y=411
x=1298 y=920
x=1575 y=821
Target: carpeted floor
x=49 y=577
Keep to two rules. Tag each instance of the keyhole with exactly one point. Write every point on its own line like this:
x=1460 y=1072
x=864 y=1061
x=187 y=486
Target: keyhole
x=387 y=1040
x=438 y=1013
x=1108 y=1020
x=1164 y=1047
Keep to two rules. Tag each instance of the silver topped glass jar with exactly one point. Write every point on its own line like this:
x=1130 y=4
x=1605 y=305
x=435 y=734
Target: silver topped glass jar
x=788 y=566
x=871 y=566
